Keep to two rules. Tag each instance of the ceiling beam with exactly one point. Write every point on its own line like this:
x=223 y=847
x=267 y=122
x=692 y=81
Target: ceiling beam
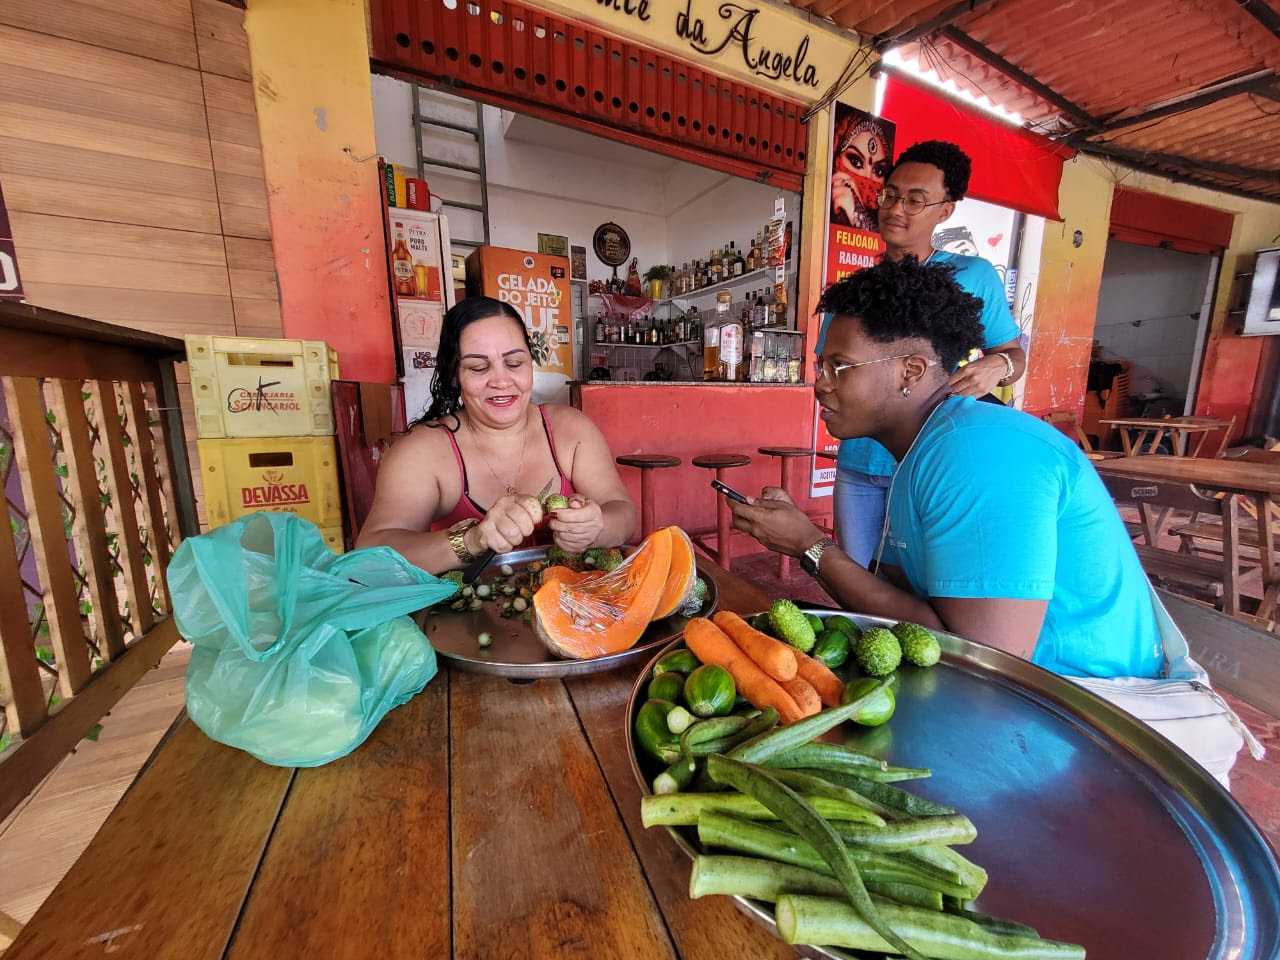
x=1193 y=180
x=946 y=17
x=1078 y=116
x=1253 y=83
x=1149 y=157
x=1260 y=11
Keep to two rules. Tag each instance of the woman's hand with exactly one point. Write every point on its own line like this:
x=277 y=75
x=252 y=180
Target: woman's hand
x=508 y=523
x=578 y=526
x=775 y=520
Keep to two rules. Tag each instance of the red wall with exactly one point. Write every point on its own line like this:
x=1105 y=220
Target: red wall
x=688 y=420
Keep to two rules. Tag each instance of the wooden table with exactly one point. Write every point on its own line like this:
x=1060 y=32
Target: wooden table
x=1258 y=482
x=1143 y=434
x=482 y=819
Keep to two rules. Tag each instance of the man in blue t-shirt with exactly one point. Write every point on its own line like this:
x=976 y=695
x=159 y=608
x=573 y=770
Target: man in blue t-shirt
x=999 y=529
x=921 y=192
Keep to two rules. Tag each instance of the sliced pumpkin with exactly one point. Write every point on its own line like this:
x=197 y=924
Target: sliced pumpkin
x=594 y=619
x=683 y=575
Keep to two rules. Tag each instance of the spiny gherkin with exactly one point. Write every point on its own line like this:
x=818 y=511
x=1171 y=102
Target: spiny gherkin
x=603 y=558
x=791 y=626
x=878 y=652
x=919 y=646
x=697 y=597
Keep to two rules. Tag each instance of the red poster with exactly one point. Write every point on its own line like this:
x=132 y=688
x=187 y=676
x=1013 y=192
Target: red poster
x=861 y=155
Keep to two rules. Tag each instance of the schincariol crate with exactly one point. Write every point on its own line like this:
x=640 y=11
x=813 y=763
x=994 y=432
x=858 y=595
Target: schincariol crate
x=294 y=474
x=247 y=387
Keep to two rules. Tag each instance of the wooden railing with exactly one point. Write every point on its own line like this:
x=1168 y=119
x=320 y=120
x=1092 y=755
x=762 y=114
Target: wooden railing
x=97 y=495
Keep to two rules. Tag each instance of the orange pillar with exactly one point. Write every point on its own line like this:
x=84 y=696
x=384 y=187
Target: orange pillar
x=310 y=66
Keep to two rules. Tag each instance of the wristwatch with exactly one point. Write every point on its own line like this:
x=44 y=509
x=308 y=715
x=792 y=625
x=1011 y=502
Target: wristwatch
x=458 y=543
x=810 y=559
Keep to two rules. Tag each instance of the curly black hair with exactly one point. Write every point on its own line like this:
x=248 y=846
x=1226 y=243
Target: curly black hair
x=905 y=299
x=446 y=396
x=947 y=157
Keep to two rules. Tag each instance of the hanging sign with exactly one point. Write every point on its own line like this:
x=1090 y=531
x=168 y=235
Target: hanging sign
x=763 y=44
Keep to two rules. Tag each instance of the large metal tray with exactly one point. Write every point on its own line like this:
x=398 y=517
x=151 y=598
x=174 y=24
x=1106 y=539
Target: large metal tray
x=516 y=651
x=1094 y=829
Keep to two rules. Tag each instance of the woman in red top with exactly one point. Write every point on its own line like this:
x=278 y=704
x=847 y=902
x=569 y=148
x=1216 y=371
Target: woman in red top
x=463 y=480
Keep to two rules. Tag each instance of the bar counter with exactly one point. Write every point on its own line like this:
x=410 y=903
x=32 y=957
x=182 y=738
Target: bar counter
x=689 y=419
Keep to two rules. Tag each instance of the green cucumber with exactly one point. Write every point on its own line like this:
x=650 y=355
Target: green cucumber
x=831 y=648
x=875 y=712
x=652 y=733
x=709 y=691
x=680 y=661
x=842 y=623
x=666 y=686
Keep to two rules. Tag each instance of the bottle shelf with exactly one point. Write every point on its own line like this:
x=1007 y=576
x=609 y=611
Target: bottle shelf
x=649 y=346
x=722 y=285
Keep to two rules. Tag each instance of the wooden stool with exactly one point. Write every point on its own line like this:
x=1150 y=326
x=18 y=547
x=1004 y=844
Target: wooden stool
x=722 y=553
x=647 y=462
x=788 y=456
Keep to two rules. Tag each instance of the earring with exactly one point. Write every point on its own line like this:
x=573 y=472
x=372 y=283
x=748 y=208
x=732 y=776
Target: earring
x=906 y=391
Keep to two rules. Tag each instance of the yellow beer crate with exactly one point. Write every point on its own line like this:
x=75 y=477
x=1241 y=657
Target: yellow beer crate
x=333 y=539
x=294 y=474
x=251 y=387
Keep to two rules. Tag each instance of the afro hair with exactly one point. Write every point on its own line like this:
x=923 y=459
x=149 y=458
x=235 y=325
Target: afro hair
x=901 y=300
x=947 y=157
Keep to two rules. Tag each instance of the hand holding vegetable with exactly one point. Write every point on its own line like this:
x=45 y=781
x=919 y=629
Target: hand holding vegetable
x=577 y=526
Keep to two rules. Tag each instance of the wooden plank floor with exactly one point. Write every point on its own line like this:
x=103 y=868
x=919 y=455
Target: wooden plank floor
x=41 y=839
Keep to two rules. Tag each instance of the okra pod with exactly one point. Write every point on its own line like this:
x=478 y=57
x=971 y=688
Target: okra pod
x=758 y=749
x=831 y=922
x=806 y=821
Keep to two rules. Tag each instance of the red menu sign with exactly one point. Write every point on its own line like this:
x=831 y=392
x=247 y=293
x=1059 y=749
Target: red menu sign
x=10 y=283
x=861 y=155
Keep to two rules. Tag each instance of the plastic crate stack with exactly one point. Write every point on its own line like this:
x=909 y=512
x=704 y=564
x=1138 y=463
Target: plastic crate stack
x=264 y=429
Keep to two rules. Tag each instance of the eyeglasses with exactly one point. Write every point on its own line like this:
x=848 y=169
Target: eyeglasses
x=910 y=205
x=825 y=369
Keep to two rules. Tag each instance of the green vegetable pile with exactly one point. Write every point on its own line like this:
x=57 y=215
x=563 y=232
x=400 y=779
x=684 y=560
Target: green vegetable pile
x=819 y=829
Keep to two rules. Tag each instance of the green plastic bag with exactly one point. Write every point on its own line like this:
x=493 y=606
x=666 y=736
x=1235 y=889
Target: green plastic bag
x=299 y=652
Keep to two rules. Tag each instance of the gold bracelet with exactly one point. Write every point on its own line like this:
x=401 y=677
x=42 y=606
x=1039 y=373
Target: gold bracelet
x=457 y=541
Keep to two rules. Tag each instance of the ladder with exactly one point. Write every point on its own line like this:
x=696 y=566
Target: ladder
x=449 y=136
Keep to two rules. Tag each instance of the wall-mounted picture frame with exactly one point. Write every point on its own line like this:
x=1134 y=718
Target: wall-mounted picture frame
x=578 y=263
x=554 y=244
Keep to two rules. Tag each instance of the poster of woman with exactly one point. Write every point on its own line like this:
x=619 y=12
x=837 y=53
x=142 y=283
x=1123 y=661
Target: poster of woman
x=861 y=155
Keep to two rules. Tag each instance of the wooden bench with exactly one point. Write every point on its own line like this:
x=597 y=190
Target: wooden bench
x=99 y=495
x=1205 y=577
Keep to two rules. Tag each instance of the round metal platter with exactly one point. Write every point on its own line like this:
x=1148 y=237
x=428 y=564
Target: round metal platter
x=1094 y=829
x=516 y=651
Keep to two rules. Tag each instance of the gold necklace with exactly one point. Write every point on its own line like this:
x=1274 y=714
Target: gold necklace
x=524 y=443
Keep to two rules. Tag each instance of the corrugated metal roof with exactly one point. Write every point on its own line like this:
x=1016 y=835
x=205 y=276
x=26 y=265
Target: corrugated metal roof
x=1189 y=89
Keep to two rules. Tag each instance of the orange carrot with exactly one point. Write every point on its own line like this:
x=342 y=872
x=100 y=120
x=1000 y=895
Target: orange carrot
x=710 y=645
x=801 y=691
x=819 y=675
x=775 y=658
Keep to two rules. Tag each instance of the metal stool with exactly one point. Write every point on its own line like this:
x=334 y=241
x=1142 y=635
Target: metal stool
x=788 y=456
x=647 y=463
x=722 y=552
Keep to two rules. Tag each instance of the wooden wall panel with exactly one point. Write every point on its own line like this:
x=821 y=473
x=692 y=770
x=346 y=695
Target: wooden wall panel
x=129 y=147
x=148 y=28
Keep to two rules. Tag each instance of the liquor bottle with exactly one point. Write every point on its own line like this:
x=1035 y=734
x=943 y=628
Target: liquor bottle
x=739 y=263
x=599 y=329
x=731 y=351
x=753 y=255
x=717 y=265
x=402 y=265
x=759 y=313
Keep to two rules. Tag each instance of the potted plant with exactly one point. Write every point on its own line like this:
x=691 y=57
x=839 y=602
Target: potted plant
x=657 y=275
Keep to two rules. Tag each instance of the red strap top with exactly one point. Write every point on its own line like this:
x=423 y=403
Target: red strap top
x=467 y=509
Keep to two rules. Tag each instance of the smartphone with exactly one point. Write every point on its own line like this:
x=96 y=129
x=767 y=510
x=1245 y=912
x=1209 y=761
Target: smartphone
x=728 y=491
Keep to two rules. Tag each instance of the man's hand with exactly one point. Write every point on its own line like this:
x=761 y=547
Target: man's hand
x=980 y=377
x=775 y=521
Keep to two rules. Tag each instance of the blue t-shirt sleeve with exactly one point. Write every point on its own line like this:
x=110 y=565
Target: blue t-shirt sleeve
x=979 y=278
x=997 y=321
x=986 y=532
